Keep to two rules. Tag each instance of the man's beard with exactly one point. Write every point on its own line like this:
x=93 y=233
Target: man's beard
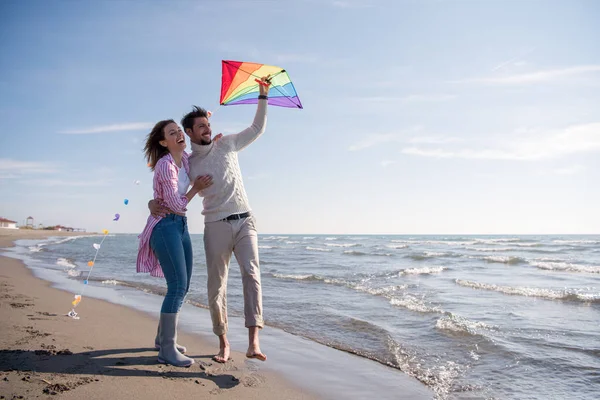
x=204 y=142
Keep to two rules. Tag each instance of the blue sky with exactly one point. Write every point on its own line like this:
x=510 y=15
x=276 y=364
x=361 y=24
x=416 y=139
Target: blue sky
x=419 y=117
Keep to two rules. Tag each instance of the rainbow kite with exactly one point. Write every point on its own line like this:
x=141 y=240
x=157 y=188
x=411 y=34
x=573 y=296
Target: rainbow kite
x=240 y=82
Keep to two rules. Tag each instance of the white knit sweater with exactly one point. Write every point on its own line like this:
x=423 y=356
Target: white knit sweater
x=219 y=159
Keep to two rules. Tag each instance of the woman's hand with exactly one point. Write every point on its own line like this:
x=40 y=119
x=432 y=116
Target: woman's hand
x=202 y=182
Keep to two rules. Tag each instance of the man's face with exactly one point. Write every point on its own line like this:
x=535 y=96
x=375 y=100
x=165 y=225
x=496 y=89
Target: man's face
x=200 y=132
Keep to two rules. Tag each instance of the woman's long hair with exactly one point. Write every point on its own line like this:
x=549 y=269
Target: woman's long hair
x=153 y=150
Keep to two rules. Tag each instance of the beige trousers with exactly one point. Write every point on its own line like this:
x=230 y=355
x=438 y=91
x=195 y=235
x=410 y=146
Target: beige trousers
x=221 y=238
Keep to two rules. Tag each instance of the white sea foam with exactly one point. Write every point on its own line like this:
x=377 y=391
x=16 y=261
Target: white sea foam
x=110 y=282
x=474 y=355
x=268 y=247
x=435 y=242
x=397 y=246
x=551 y=294
x=576 y=242
x=342 y=244
x=458 y=324
x=63 y=262
x=414 y=304
x=565 y=266
x=296 y=277
x=72 y=272
x=316 y=249
x=424 y=270
x=354 y=253
x=497 y=240
x=504 y=259
x=490 y=249
x=331 y=238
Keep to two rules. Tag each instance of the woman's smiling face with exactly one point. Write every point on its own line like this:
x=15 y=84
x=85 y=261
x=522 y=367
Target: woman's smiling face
x=174 y=139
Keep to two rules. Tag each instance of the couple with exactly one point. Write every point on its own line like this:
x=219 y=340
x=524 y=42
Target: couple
x=165 y=248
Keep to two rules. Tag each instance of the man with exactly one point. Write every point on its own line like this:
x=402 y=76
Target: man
x=229 y=226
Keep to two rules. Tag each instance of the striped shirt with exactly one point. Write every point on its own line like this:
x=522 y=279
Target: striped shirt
x=166 y=191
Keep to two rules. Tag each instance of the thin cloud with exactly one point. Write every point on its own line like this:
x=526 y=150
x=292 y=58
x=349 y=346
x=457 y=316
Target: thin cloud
x=413 y=98
x=386 y=163
x=10 y=168
x=515 y=61
x=374 y=140
x=132 y=126
x=572 y=170
x=66 y=183
x=535 y=77
x=536 y=146
x=433 y=139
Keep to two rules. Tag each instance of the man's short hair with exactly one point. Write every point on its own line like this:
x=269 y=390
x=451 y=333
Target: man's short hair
x=188 y=120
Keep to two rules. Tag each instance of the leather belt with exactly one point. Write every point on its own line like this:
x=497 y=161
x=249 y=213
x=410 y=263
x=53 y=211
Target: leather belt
x=237 y=216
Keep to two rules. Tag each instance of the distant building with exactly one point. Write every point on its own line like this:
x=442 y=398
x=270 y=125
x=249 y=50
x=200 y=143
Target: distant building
x=62 y=228
x=7 y=223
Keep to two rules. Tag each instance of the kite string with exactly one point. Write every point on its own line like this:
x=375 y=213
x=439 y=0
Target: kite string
x=93 y=264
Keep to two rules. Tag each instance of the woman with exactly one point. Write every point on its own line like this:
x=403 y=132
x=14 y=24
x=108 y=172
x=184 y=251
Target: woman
x=165 y=248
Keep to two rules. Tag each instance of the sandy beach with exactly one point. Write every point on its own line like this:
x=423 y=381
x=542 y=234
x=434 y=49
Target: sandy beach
x=45 y=354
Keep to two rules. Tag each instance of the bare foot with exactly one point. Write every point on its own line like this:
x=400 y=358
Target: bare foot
x=224 y=349
x=254 y=352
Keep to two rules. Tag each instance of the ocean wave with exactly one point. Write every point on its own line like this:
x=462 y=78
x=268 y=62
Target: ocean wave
x=37 y=248
x=413 y=303
x=457 y=324
x=268 y=247
x=354 y=253
x=291 y=242
x=550 y=294
x=576 y=242
x=342 y=244
x=308 y=237
x=113 y=282
x=497 y=240
x=331 y=238
x=528 y=244
x=504 y=259
x=434 y=242
x=305 y=277
x=490 y=249
x=565 y=266
x=66 y=262
x=430 y=254
x=398 y=246
x=73 y=272
x=317 y=249
x=275 y=238
x=424 y=270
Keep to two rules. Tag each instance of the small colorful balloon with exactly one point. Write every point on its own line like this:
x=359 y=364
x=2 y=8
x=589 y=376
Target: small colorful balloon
x=126 y=201
x=116 y=218
x=96 y=246
x=77 y=299
x=85 y=281
x=136 y=182
x=105 y=231
x=90 y=263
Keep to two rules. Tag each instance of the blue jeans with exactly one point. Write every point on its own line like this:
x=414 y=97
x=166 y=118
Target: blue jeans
x=170 y=241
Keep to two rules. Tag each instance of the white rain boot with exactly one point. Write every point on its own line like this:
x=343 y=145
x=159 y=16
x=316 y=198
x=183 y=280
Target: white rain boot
x=179 y=347
x=168 y=353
